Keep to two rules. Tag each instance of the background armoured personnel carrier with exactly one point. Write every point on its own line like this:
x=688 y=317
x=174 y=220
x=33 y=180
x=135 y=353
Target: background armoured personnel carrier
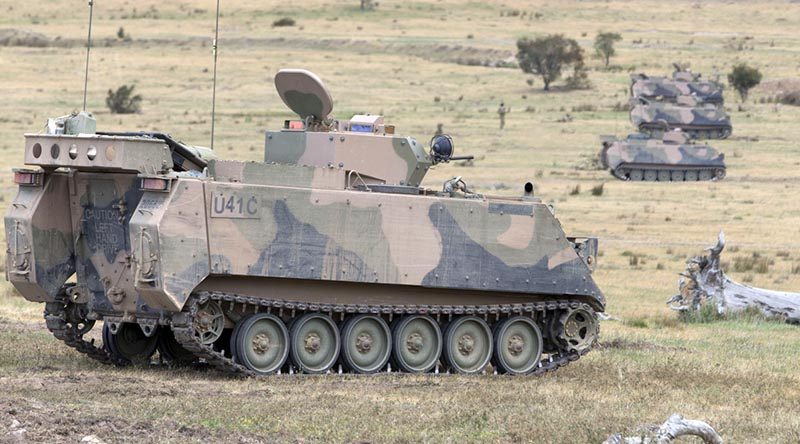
x=701 y=122
x=673 y=159
x=670 y=89
x=329 y=255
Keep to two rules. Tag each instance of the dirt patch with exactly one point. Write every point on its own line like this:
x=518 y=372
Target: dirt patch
x=31 y=421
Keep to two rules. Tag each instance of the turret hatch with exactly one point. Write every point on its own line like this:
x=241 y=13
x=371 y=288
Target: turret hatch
x=304 y=93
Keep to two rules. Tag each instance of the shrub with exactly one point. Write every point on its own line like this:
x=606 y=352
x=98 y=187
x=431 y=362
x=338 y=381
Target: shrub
x=743 y=78
x=597 y=190
x=286 y=21
x=123 y=101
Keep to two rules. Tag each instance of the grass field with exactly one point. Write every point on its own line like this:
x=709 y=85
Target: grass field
x=400 y=60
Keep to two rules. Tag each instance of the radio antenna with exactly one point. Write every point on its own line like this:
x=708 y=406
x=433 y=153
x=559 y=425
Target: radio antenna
x=88 y=48
x=214 y=82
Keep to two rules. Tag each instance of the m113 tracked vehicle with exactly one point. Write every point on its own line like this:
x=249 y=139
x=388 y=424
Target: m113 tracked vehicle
x=327 y=256
x=672 y=159
x=697 y=121
x=670 y=89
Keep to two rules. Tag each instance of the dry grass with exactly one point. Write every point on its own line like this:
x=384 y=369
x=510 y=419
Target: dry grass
x=741 y=375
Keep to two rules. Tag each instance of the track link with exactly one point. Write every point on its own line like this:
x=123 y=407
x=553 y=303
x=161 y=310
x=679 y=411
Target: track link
x=58 y=321
x=185 y=333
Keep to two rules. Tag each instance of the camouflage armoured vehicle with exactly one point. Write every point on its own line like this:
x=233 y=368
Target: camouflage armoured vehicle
x=669 y=90
x=673 y=159
x=328 y=256
x=697 y=121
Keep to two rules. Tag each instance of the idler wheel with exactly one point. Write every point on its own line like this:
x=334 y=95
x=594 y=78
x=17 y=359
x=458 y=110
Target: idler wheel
x=129 y=343
x=170 y=350
x=315 y=343
x=417 y=343
x=468 y=345
x=366 y=344
x=719 y=174
x=517 y=345
x=261 y=343
x=576 y=330
x=209 y=322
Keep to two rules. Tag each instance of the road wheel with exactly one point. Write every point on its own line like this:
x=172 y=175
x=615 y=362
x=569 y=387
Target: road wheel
x=705 y=175
x=517 y=345
x=677 y=176
x=417 y=343
x=664 y=176
x=468 y=345
x=170 y=350
x=650 y=175
x=129 y=343
x=691 y=176
x=315 y=343
x=366 y=344
x=636 y=175
x=261 y=343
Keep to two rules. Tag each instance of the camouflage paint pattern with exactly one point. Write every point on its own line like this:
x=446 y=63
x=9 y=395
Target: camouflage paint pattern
x=40 y=253
x=305 y=217
x=667 y=116
x=669 y=90
x=376 y=158
x=636 y=151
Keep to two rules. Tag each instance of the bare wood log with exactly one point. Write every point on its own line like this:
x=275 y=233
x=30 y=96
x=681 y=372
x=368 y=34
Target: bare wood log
x=704 y=281
x=674 y=428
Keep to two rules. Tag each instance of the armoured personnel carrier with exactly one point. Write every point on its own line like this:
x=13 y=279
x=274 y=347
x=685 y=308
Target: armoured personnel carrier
x=697 y=121
x=671 y=159
x=670 y=89
x=328 y=256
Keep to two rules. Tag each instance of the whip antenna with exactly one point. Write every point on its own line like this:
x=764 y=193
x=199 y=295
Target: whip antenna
x=88 y=48
x=214 y=83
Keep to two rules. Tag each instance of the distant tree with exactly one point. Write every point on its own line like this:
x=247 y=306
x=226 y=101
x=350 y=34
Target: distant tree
x=743 y=78
x=548 y=56
x=123 y=101
x=604 y=45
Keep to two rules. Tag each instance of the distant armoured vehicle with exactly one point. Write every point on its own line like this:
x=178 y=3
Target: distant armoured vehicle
x=670 y=89
x=327 y=256
x=673 y=159
x=698 y=121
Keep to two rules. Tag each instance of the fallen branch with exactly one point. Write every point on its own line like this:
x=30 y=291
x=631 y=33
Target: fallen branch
x=704 y=281
x=674 y=428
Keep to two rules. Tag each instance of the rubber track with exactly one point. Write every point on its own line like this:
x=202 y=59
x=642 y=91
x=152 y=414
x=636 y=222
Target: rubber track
x=185 y=335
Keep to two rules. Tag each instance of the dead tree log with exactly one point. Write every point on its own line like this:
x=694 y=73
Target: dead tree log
x=674 y=428
x=704 y=281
